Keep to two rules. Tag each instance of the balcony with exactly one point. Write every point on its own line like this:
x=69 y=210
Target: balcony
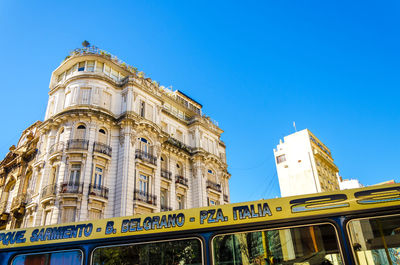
x=18 y=202
x=146 y=157
x=214 y=186
x=165 y=208
x=166 y=174
x=71 y=188
x=99 y=191
x=179 y=144
x=56 y=148
x=49 y=191
x=226 y=198
x=77 y=144
x=145 y=197
x=181 y=180
x=102 y=148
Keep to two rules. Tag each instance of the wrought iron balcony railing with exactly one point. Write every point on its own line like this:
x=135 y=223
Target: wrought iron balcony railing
x=166 y=174
x=213 y=185
x=146 y=197
x=98 y=190
x=102 y=148
x=165 y=208
x=77 y=144
x=71 y=187
x=181 y=180
x=57 y=147
x=140 y=154
x=48 y=191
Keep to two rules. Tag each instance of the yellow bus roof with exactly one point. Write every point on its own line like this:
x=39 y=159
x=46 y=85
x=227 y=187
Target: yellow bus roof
x=286 y=208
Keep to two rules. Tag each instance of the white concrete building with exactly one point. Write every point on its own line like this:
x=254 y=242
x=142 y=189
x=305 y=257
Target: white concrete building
x=346 y=184
x=304 y=165
x=114 y=143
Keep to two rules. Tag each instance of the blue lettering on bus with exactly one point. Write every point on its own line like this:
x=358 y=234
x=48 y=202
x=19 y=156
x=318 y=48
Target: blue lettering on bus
x=12 y=237
x=250 y=212
x=152 y=223
x=212 y=216
x=61 y=232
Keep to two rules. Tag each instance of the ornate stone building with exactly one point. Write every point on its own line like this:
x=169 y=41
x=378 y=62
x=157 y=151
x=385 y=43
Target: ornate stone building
x=115 y=143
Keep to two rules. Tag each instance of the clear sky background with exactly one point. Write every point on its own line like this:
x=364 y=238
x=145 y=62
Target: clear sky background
x=256 y=66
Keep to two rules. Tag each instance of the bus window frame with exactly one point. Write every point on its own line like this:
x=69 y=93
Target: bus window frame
x=46 y=252
x=358 y=218
x=277 y=227
x=203 y=260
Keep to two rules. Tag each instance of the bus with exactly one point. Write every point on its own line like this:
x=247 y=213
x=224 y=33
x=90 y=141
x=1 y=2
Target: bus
x=358 y=227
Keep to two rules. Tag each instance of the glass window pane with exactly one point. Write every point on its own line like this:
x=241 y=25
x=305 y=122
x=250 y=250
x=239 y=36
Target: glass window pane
x=55 y=258
x=300 y=245
x=171 y=252
x=376 y=241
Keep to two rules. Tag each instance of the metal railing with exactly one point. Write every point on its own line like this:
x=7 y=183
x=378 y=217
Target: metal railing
x=102 y=148
x=166 y=174
x=146 y=197
x=213 y=185
x=48 y=191
x=71 y=187
x=98 y=190
x=181 y=180
x=57 y=147
x=145 y=156
x=77 y=144
x=179 y=144
x=165 y=208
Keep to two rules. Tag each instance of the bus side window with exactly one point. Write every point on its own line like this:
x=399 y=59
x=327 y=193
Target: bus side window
x=51 y=258
x=314 y=245
x=375 y=240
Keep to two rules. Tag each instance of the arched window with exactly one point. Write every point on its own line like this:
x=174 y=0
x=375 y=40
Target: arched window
x=211 y=175
x=80 y=132
x=145 y=145
x=102 y=136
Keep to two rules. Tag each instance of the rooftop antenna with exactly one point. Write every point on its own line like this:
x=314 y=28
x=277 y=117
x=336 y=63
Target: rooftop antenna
x=294 y=125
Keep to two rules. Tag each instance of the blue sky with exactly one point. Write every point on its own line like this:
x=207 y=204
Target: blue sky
x=256 y=66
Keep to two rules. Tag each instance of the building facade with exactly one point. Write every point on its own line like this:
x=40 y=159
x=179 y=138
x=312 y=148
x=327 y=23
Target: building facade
x=305 y=165
x=116 y=143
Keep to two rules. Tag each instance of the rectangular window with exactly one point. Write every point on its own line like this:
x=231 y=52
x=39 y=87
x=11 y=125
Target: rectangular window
x=149 y=112
x=142 y=108
x=280 y=159
x=315 y=244
x=68 y=215
x=107 y=70
x=81 y=67
x=99 y=67
x=47 y=217
x=75 y=174
x=71 y=257
x=74 y=68
x=144 y=183
x=181 y=201
x=90 y=66
x=98 y=177
x=187 y=251
x=106 y=100
x=114 y=74
x=376 y=240
x=94 y=214
x=84 y=95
